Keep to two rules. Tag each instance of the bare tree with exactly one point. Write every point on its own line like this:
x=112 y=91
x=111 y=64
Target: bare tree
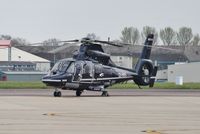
x=130 y=35
x=92 y=36
x=5 y=37
x=126 y=35
x=14 y=41
x=51 y=42
x=184 y=36
x=167 y=35
x=135 y=35
x=149 y=30
x=19 y=42
x=196 y=40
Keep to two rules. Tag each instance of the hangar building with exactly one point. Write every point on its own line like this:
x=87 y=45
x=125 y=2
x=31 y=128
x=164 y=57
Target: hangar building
x=20 y=55
x=19 y=65
x=189 y=72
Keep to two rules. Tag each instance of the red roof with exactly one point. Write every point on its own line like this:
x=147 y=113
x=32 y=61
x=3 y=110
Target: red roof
x=5 y=43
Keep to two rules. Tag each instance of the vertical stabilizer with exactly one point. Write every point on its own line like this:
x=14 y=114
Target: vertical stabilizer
x=144 y=68
x=146 y=51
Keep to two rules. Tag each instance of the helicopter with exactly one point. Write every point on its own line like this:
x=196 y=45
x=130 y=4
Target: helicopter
x=92 y=69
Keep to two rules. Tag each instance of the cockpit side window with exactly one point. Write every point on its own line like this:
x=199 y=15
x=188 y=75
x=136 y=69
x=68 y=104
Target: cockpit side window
x=78 y=70
x=71 y=68
x=63 y=66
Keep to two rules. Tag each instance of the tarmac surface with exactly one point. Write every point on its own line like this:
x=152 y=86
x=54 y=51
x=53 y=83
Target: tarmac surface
x=154 y=111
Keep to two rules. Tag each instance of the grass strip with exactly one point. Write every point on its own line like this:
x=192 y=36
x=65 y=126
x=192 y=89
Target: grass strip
x=158 y=85
x=22 y=85
x=40 y=85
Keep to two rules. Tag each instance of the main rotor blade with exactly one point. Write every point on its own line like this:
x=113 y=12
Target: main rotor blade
x=41 y=43
x=120 y=44
x=76 y=40
x=160 y=47
x=164 y=48
x=109 y=43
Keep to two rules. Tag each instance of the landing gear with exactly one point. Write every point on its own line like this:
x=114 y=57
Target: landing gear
x=105 y=93
x=78 y=93
x=57 y=93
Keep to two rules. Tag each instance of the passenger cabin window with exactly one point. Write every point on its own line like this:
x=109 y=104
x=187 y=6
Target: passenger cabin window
x=98 y=70
x=87 y=70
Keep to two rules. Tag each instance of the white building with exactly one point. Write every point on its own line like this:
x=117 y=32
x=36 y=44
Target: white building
x=123 y=61
x=20 y=55
x=189 y=71
x=162 y=75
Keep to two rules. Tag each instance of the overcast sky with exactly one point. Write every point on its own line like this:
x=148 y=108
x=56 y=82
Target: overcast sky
x=38 y=20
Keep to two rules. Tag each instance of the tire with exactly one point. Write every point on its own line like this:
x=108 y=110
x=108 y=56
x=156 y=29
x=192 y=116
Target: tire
x=57 y=94
x=104 y=93
x=78 y=93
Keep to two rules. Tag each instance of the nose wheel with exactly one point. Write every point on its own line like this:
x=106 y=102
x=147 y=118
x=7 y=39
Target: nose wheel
x=105 y=93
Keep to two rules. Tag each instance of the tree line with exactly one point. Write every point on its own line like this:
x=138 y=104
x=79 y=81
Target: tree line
x=184 y=36
x=15 y=41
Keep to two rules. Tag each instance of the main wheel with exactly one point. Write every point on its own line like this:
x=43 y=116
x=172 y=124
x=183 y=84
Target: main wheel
x=57 y=94
x=78 y=93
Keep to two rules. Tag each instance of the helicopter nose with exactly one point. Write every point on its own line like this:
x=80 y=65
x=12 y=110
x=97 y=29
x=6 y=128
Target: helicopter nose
x=46 y=77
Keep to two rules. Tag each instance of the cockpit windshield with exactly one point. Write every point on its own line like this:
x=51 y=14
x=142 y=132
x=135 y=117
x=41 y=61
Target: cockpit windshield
x=55 y=67
x=61 y=66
